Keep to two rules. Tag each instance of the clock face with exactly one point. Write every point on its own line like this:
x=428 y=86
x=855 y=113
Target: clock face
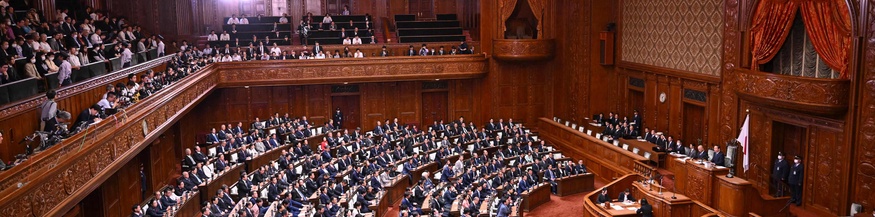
x=662 y=97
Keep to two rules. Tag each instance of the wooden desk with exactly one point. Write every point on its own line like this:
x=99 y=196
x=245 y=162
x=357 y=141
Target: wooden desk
x=395 y=191
x=643 y=148
x=575 y=184
x=382 y=206
x=623 y=209
x=603 y=159
x=693 y=179
x=225 y=178
x=730 y=191
x=191 y=206
x=535 y=197
x=417 y=173
x=265 y=158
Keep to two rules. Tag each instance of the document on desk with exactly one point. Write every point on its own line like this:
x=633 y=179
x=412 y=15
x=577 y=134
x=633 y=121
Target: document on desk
x=721 y=167
x=615 y=207
x=632 y=208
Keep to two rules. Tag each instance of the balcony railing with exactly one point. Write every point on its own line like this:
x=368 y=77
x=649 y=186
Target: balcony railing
x=66 y=173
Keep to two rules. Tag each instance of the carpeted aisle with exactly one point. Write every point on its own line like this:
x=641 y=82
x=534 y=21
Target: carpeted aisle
x=560 y=206
x=563 y=206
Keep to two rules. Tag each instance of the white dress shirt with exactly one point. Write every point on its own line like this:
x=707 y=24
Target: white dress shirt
x=161 y=48
x=95 y=39
x=45 y=46
x=126 y=55
x=212 y=37
x=225 y=37
x=243 y=20
x=74 y=61
x=356 y=41
x=233 y=20
x=359 y=54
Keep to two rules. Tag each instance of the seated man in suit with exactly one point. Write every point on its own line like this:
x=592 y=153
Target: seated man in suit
x=603 y=197
x=718 y=157
x=700 y=153
x=155 y=209
x=625 y=196
x=167 y=200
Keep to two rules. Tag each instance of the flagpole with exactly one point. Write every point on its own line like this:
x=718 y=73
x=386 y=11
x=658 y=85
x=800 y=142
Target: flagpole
x=746 y=117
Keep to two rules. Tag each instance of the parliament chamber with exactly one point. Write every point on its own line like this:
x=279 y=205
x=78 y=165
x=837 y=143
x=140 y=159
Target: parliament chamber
x=451 y=108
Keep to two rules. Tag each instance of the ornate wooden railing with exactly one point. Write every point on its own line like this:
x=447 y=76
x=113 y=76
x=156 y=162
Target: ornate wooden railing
x=523 y=49
x=50 y=157
x=808 y=95
x=69 y=171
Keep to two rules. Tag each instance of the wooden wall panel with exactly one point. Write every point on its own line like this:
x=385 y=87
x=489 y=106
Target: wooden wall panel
x=378 y=101
x=445 y=7
x=463 y=102
x=863 y=142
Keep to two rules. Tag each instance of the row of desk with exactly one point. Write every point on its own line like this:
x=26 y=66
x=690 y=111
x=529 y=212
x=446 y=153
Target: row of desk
x=663 y=202
x=707 y=188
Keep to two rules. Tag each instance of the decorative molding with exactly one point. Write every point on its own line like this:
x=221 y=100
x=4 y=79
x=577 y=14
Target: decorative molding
x=50 y=158
x=523 y=49
x=359 y=70
x=807 y=95
x=864 y=144
x=731 y=45
x=93 y=158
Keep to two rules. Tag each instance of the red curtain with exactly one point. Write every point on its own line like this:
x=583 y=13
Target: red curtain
x=771 y=24
x=828 y=25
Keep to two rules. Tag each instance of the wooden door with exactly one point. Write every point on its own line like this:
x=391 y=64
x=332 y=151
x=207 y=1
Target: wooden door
x=422 y=8
x=434 y=108
x=350 y=106
x=335 y=7
x=694 y=123
x=789 y=139
x=636 y=102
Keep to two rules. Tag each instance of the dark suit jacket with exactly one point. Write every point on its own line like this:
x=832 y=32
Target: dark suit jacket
x=622 y=197
x=603 y=198
x=718 y=158
x=645 y=211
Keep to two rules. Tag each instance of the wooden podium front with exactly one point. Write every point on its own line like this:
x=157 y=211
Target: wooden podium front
x=535 y=197
x=574 y=184
x=693 y=179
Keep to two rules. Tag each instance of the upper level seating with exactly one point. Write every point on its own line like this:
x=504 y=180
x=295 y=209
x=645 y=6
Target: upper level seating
x=445 y=28
x=29 y=87
x=283 y=33
x=321 y=32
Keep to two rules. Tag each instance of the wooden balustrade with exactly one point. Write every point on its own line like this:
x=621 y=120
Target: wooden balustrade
x=68 y=172
x=24 y=116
